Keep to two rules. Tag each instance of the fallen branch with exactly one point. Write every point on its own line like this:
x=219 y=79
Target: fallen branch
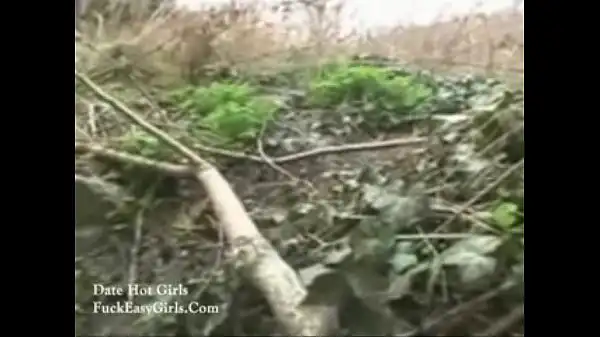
x=123 y=157
x=179 y=170
x=256 y=257
x=356 y=147
x=184 y=170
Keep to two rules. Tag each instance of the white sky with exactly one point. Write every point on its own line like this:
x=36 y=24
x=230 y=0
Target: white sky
x=374 y=13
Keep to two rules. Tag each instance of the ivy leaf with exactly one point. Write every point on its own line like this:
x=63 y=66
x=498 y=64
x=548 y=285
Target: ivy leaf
x=505 y=214
x=308 y=274
x=367 y=247
x=469 y=255
x=378 y=197
x=396 y=210
x=480 y=244
x=477 y=269
x=402 y=261
x=399 y=287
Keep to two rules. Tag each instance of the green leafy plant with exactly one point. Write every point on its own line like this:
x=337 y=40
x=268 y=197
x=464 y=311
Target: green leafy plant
x=506 y=215
x=141 y=143
x=472 y=257
x=234 y=112
x=348 y=83
x=383 y=94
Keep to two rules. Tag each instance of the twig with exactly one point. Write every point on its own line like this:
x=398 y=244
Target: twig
x=493 y=144
x=505 y=322
x=436 y=270
x=181 y=170
x=356 y=147
x=216 y=263
x=483 y=192
x=137 y=239
x=168 y=168
x=466 y=214
x=271 y=162
x=135 y=118
x=434 y=236
x=463 y=308
x=326 y=150
x=110 y=192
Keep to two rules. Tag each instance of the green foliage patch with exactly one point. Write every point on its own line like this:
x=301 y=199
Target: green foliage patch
x=384 y=94
x=234 y=112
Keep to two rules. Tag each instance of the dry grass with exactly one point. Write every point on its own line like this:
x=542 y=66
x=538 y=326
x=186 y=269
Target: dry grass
x=483 y=41
x=170 y=45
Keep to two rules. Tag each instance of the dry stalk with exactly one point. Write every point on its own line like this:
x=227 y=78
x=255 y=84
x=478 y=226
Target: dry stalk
x=256 y=257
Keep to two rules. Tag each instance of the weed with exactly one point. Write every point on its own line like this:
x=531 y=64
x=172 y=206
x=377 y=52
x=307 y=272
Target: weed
x=383 y=94
x=141 y=143
x=233 y=112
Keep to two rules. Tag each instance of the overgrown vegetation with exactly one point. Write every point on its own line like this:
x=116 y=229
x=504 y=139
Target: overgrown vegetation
x=383 y=95
x=421 y=239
